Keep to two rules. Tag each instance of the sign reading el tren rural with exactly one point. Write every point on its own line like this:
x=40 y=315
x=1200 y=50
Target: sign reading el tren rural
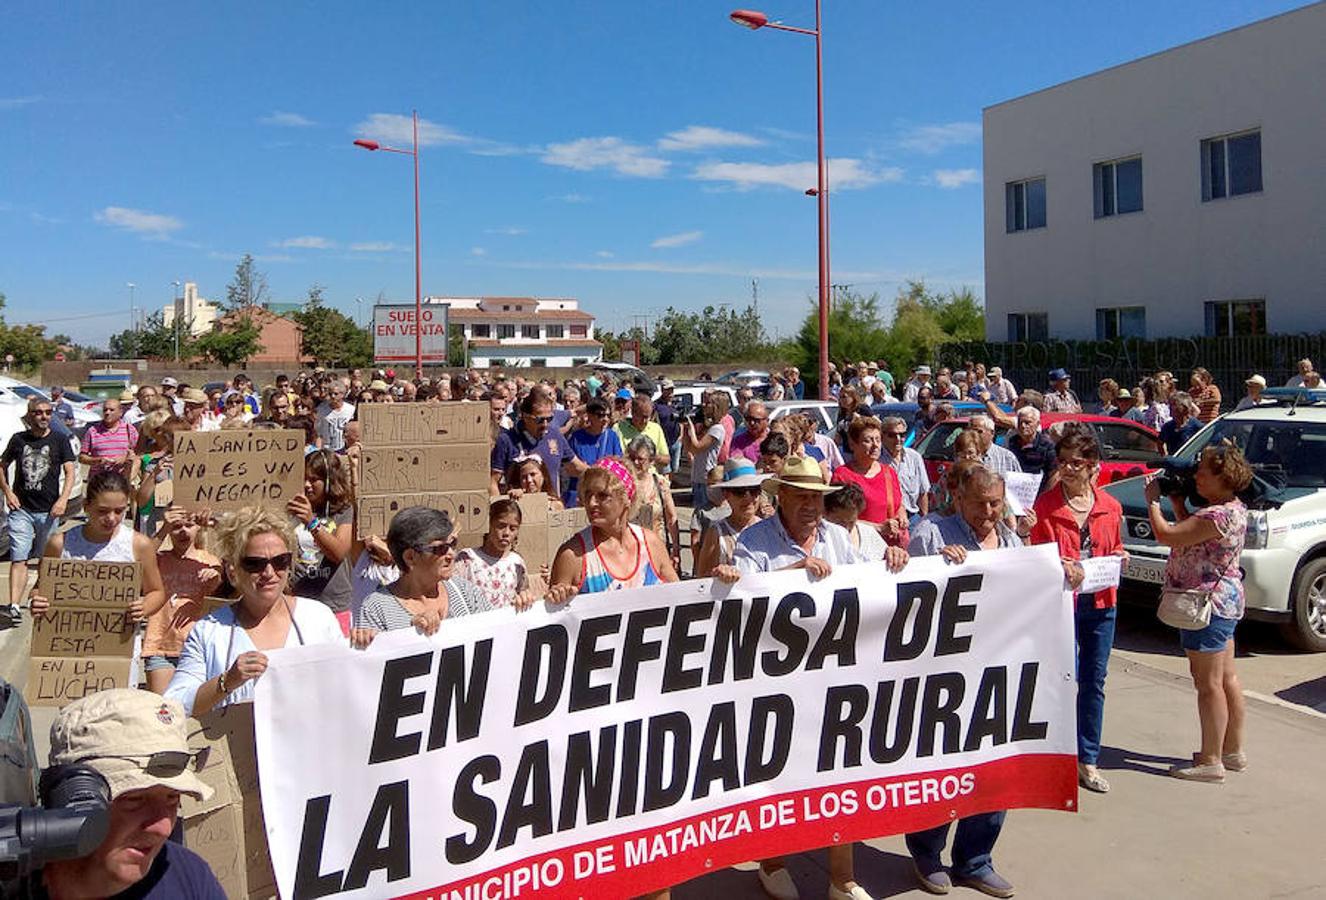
x=394 y=338
x=424 y=454
x=228 y=469
x=84 y=642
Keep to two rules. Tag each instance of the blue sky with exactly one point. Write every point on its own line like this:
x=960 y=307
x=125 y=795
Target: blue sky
x=635 y=155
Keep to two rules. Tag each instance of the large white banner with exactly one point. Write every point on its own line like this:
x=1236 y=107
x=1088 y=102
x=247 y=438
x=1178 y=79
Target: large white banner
x=640 y=738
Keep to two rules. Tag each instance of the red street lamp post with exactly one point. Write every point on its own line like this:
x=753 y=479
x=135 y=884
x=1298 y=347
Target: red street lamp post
x=418 y=280
x=753 y=19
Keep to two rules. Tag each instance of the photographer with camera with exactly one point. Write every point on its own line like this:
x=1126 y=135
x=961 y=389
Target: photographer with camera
x=1203 y=596
x=137 y=741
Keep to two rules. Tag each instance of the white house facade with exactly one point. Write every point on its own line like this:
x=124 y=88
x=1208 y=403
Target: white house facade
x=524 y=331
x=1180 y=194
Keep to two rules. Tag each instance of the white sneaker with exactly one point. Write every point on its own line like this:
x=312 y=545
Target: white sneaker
x=856 y=893
x=778 y=884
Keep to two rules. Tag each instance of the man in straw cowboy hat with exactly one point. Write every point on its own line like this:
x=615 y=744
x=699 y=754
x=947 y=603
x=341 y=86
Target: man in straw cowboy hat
x=138 y=742
x=798 y=536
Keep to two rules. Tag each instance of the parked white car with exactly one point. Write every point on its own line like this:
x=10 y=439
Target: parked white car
x=1284 y=553
x=11 y=422
x=824 y=413
x=17 y=393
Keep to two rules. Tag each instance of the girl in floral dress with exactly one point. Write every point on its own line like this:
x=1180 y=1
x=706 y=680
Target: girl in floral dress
x=496 y=568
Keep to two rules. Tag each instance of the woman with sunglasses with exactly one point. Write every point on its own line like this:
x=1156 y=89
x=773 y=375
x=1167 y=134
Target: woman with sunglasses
x=1085 y=522
x=226 y=652
x=422 y=542
x=235 y=412
x=741 y=492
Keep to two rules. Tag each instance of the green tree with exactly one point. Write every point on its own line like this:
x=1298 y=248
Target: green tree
x=154 y=340
x=27 y=343
x=714 y=334
x=330 y=337
x=247 y=288
x=233 y=346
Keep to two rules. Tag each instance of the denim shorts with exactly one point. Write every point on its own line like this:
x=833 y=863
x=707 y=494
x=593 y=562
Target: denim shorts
x=1212 y=638
x=153 y=663
x=27 y=534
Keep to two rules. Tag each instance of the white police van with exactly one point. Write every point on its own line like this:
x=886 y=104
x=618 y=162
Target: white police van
x=1284 y=554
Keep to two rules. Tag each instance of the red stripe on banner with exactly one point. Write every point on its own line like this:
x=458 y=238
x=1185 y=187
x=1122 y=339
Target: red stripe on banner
x=775 y=826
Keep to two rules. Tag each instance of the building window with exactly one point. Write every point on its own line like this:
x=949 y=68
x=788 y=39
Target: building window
x=1232 y=165
x=579 y=331
x=529 y=332
x=1227 y=318
x=1120 y=322
x=481 y=331
x=539 y=362
x=506 y=307
x=1028 y=326
x=506 y=331
x=1118 y=187
x=555 y=331
x=1024 y=204
x=579 y=360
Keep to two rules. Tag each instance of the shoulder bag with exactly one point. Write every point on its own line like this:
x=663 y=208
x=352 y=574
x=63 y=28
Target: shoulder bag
x=1185 y=610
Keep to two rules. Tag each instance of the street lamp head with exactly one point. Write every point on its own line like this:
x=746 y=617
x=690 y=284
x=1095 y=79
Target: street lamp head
x=812 y=192
x=749 y=18
x=367 y=145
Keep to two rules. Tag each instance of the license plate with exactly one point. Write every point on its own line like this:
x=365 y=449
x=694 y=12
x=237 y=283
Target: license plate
x=1148 y=570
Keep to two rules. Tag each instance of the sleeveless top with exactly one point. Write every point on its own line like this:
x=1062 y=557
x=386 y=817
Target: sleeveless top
x=650 y=514
x=727 y=541
x=595 y=577
x=120 y=547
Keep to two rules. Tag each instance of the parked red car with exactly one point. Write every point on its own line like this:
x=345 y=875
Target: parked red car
x=1127 y=448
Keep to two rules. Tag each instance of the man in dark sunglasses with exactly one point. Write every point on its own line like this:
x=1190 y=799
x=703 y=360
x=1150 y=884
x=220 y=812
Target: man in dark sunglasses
x=533 y=436
x=138 y=741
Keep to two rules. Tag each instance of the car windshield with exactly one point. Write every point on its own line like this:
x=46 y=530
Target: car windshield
x=1121 y=442
x=1285 y=453
x=27 y=393
x=938 y=441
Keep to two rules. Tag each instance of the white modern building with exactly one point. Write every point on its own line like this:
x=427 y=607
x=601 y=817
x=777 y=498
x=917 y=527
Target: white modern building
x=199 y=313
x=524 y=331
x=1180 y=194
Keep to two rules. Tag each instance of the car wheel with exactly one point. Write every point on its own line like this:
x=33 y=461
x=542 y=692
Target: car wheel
x=1307 y=630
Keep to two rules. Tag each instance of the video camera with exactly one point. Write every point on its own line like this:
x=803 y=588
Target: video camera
x=74 y=815
x=1177 y=476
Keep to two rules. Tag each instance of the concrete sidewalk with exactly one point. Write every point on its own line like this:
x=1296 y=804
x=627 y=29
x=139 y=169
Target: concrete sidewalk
x=1256 y=836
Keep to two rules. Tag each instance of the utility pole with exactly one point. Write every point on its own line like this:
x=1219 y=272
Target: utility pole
x=133 y=324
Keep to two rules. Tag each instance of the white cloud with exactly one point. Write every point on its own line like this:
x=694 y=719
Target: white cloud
x=569 y=198
x=934 y=138
x=478 y=251
x=508 y=231
x=306 y=242
x=287 y=120
x=17 y=102
x=379 y=247
x=156 y=226
x=605 y=254
x=676 y=240
x=705 y=137
x=390 y=128
x=587 y=154
x=844 y=174
x=956 y=178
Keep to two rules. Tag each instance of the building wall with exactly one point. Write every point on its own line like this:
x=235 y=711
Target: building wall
x=1178 y=251
x=200 y=313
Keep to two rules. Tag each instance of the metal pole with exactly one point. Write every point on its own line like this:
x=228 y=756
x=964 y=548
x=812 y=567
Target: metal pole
x=823 y=200
x=418 y=279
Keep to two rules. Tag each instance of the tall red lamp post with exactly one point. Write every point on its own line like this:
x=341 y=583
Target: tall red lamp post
x=418 y=280
x=753 y=19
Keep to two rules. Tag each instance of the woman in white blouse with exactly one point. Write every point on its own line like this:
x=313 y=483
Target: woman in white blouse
x=226 y=652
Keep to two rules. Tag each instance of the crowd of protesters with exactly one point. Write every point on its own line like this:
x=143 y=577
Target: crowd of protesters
x=764 y=493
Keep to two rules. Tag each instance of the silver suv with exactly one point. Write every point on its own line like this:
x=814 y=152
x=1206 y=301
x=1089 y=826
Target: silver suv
x=1284 y=554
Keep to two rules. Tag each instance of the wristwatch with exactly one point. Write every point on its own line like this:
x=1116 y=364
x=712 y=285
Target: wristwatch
x=221 y=684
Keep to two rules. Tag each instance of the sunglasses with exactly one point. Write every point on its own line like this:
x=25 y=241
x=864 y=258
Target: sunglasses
x=163 y=763
x=742 y=491
x=256 y=565
x=439 y=548
x=757 y=418
x=542 y=420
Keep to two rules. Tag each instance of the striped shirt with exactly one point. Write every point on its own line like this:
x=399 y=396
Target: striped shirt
x=382 y=609
x=109 y=443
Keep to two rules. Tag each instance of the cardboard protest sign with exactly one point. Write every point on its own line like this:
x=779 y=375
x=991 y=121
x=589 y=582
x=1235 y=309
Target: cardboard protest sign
x=544 y=528
x=227 y=829
x=467 y=509
x=612 y=747
x=84 y=642
x=424 y=454
x=230 y=469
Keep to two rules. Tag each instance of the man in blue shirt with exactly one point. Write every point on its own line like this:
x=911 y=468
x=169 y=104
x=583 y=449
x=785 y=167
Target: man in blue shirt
x=64 y=410
x=591 y=443
x=532 y=435
x=669 y=421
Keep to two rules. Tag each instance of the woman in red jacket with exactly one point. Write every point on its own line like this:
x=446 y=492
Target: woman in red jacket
x=1085 y=522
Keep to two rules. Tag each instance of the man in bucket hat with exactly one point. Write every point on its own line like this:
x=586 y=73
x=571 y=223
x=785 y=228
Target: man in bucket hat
x=798 y=536
x=139 y=742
